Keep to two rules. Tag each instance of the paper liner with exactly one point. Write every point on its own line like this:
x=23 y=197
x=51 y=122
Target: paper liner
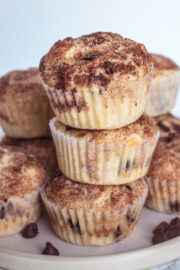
x=91 y=227
x=163 y=195
x=100 y=109
x=27 y=120
x=103 y=163
x=162 y=94
x=17 y=212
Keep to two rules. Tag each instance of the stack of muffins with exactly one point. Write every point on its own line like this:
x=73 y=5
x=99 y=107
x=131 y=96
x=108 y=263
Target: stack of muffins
x=27 y=152
x=98 y=88
x=163 y=177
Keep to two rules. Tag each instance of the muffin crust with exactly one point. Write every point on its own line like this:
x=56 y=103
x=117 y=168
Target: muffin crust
x=104 y=198
x=166 y=159
x=20 y=173
x=42 y=148
x=163 y=66
x=98 y=60
x=144 y=127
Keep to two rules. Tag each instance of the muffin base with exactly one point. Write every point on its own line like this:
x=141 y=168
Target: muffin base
x=88 y=227
x=163 y=195
x=99 y=109
x=103 y=163
x=16 y=212
x=162 y=94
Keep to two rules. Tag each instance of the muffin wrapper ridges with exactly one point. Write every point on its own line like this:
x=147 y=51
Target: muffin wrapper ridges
x=17 y=212
x=25 y=120
x=103 y=163
x=162 y=94
x=91 y=227
x=99 y=109
x=163 y=195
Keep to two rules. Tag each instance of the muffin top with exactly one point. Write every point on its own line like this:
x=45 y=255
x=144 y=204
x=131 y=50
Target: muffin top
x=166 y=159
x=71 y=194
x=18 y=82
x=163 y=66
x=168 y=123
x=20 y=173
x=42 y=148
x=99 y=60
x=145 y=127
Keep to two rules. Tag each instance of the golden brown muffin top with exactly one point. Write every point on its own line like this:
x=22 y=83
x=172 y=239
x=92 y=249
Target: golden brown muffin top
x=165 y=163
x=145 y=127
x=168 y=123
x=71 y=194
x=20 y=82
x=163 y=65
x=20 y=173
x=95 y=60
x=42 y=148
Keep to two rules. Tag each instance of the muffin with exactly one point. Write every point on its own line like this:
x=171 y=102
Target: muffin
x=105 y=157
x=167 y=124
x=163 y=177
x=42 y=148
x=24 y=107
x=91 y=214
x=21 y=176
x=97 y=81
x=164 y=86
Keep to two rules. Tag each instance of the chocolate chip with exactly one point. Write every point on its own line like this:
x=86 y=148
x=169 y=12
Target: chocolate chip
x=2 y=212
x=130 y=218
x=174 y=228
x=30 y=231
x=176 y=127
x=175 y=207
x=162 y=227
x=128 y=165
x=168 y=139
x=163 y=127
x=75 y=227
x=159 y=238
x=129 y=187
x=50 y=250
x=165 y=231
x=100 y=92
x=118 y=232
x=91 y=57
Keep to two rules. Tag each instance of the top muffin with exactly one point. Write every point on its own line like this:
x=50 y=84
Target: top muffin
x=94 y=60
x=100 y=73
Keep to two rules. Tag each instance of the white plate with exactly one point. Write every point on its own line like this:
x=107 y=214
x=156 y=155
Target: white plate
x=133 y=253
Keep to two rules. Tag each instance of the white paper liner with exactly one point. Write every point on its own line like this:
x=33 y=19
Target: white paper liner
x=163 y=195
x=100 y=109
x=162 y=94
x=90 y=227
x=103 y=163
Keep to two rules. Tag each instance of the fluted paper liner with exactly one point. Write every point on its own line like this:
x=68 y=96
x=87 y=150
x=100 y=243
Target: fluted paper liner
x=163 y=195
x=25 y=120
x=17 y=212
x=162 y=94
x=103 y=163
x=99 y=109
x=91 y=227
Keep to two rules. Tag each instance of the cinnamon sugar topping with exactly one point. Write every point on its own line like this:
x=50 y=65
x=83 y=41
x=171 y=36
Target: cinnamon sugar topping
x=94 y=60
